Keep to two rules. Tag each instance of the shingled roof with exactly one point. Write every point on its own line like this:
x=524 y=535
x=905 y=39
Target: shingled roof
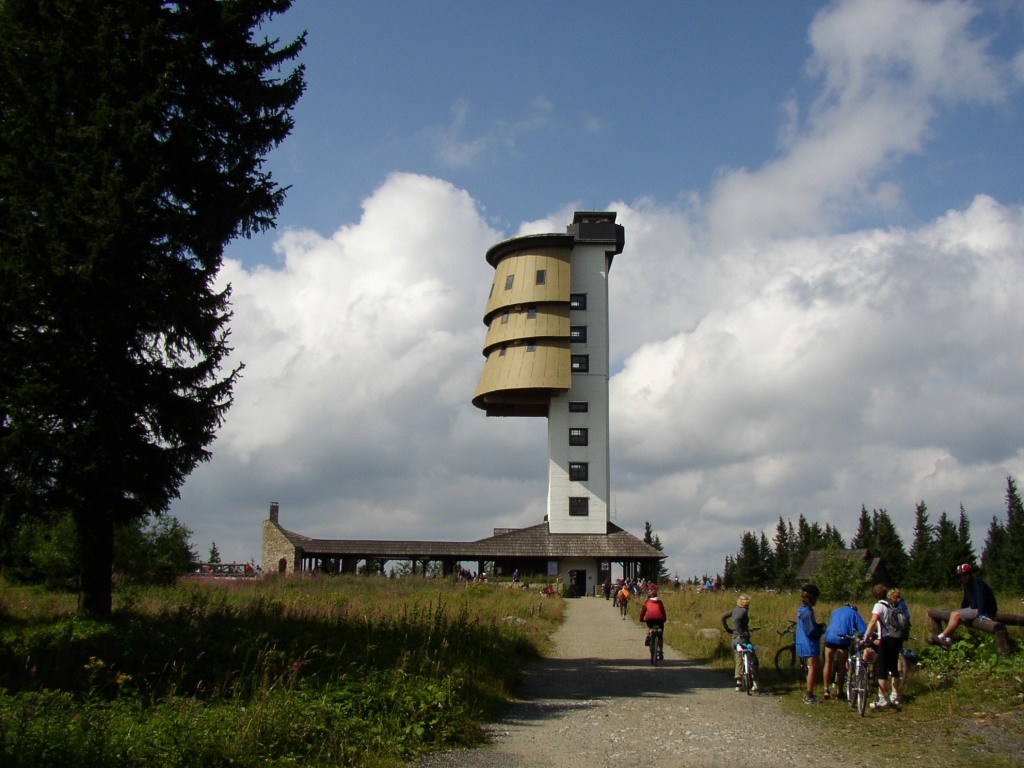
x=812 y=565
x=534 y=541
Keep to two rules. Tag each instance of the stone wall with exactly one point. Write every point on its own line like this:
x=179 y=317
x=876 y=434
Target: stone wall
x=276 y=547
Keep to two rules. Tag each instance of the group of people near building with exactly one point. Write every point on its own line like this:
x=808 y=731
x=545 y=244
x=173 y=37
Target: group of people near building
x=621 y=590
x=880 y=638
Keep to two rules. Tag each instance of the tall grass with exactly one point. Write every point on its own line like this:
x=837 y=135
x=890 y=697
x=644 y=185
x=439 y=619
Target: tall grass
x=331 y=671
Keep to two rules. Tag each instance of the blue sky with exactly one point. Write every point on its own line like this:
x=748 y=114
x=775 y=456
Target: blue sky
x=815 y=308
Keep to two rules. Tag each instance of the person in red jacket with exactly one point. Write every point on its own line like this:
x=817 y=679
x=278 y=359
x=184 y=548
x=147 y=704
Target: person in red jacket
x=653 y=613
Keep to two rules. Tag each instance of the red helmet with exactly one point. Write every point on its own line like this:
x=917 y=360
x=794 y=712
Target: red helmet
x=965 y=568
x=652 y=590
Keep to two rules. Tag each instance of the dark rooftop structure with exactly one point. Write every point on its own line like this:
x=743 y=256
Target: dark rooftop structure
x=812 y=565
x=532 y=551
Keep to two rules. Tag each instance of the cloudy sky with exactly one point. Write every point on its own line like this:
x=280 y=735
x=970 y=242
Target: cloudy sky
x=816 y=308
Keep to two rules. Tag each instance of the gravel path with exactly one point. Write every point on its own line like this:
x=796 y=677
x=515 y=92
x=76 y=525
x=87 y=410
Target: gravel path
x=597 y=702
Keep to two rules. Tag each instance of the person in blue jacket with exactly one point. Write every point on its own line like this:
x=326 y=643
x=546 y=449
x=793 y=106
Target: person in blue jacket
x=843 y=622
x=808 y=635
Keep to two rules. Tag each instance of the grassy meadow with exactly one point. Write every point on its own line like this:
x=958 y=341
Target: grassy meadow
x=366 y=671
x=339 y=671
x=962 y=707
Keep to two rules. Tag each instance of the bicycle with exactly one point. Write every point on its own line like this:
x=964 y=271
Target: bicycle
x=746 y=651
x=787 y=663
x=858 y=684
x=657 y=642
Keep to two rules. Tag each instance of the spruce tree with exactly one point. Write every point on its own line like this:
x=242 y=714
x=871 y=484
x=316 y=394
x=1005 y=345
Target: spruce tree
x=965 y=547
x=831 y=538
x=993 y=557
x=785 y=567
x=133 y=135
x=920 y=572
x=946 y=554
x=767 y=558
x=888 y=545
x=865 y=535
x=1012 y=577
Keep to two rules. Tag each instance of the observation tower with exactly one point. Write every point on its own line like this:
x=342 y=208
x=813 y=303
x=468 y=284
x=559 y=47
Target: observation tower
x=546 y=353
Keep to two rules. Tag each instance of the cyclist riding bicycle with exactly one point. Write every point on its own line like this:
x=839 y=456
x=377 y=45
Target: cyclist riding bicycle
x=740 y=629
x=654 y=614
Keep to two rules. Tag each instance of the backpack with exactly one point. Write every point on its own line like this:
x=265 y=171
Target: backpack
x=896 y=623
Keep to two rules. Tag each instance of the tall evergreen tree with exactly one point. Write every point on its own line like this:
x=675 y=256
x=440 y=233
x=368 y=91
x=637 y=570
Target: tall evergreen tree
x=946 y=554
x=767 y=558
x=865 y=535
x=888 y=545
x=831 y=538
x=919 y=566
x=963 y=528
x=660 y=574
x=133 y=135
x=749 y=567
x=993 y=555
x=728 y=573
x=785 y=555
x=1012 y=577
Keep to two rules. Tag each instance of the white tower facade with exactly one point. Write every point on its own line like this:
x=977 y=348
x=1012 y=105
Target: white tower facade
x=547 y=355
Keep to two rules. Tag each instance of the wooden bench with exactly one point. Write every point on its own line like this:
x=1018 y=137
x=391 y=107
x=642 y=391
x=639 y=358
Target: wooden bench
x=995 y=626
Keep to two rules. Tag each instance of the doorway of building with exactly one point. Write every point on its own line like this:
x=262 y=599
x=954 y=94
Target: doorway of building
x=578 y=583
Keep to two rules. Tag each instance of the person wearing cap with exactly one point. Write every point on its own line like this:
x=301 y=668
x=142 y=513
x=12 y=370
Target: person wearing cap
x=979 y=602
x=808 y=635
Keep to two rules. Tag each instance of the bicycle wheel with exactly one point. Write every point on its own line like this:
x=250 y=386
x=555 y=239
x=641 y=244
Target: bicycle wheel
x=862 y=688
x=787 y=663
x=851 y=682
x=747 y=681
x=654 y=648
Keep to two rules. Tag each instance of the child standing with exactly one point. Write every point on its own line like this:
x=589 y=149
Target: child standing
x=808 y=633
x=740 y=629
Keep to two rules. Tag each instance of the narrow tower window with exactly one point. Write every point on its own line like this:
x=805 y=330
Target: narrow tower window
x=579 y=470
x=508 y=282
x=541 y=276
x=580 y=363
x=578 y=436
x=579 y=406
x=578 y=334
x=577 y=301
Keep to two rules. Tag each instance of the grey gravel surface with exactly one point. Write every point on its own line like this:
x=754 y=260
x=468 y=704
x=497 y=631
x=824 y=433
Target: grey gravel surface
x=598 y=702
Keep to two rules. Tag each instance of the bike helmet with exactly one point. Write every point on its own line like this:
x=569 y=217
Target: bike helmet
x=965 y=568
x=652 y=591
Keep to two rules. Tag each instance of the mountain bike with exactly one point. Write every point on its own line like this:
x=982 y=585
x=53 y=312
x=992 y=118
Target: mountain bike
x=858 y=684
x=788 y=664
x=747 y=656
x=657 y=643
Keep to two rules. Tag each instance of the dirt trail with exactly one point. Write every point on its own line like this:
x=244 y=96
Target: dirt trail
x=598 y=703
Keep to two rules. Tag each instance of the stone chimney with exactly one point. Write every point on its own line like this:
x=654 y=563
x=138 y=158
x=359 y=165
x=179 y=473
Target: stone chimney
x=273 y=511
